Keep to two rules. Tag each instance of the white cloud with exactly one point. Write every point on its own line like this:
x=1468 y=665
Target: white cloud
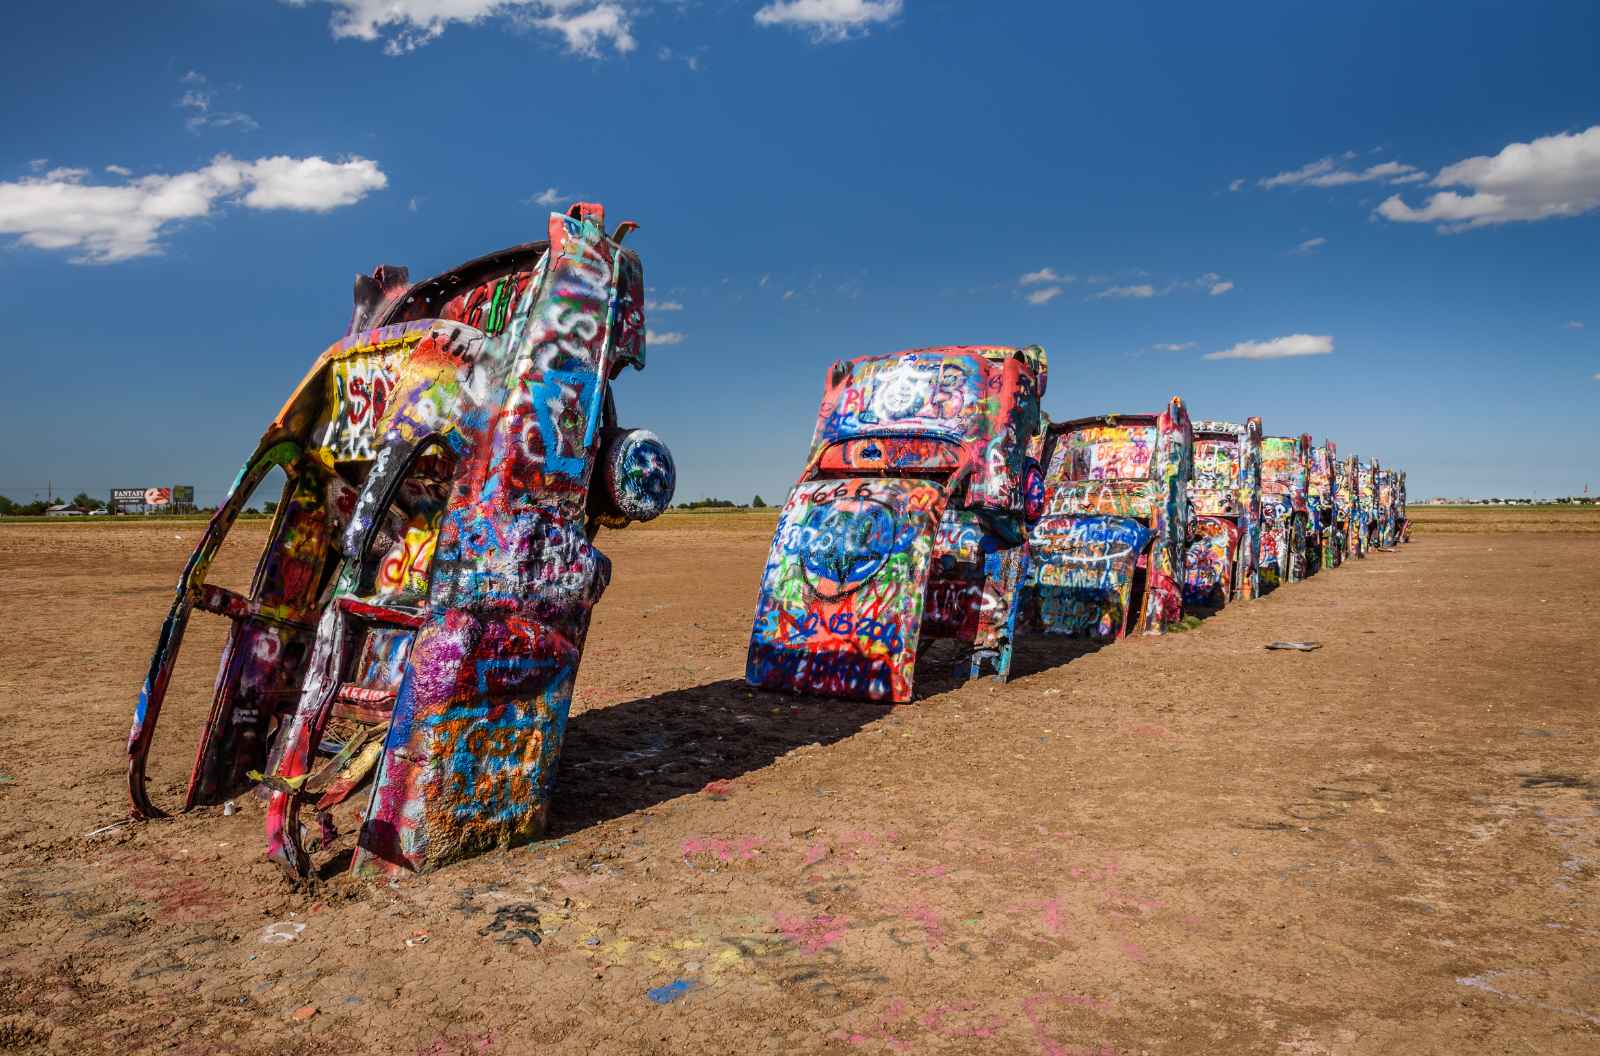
x=1043 y=275
x=1553 y=176
x=1219 y=288
x=550 y=197
x=1236 y=185
x=1174 y=346
x=406 y=25
x=1575 y=324
x=198 y=101
x=664 y=337
x=118 y=170
x=415 y=204
x=222 y=119
x=663 y=306
x=1310 y=245
x=1329 y=172
x=103 y=224
x=828 y=20
x=1045 y=295
x=585 y=31
x=1139 y=292
x=789 y=295
x=1278 y=348
x=310 y=185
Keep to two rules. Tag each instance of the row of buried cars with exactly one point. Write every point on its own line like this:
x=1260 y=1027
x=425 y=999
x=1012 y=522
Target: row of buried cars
x=402 y=664
x=939 y=501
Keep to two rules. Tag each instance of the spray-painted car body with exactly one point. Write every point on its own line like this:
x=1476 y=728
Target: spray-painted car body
x=1107 y=555
x=1347 y=499
x=1367 y=503
x=1403 y=522
x=1391 y=507
x=1224 y=514
x=1285 y=513
x=424 y=596
x=1325 y=547
x=907 y=522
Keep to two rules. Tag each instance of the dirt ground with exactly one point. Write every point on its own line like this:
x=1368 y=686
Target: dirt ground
x=1178 y=845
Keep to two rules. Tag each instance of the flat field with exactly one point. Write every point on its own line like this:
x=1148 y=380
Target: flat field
x=1179 y=845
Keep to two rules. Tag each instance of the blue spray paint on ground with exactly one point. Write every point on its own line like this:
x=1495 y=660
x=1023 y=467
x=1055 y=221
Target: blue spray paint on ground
x=665 y=995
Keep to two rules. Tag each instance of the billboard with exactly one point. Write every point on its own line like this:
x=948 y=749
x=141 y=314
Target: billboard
x=183 y=494
x=158 y=496
x=123 y=499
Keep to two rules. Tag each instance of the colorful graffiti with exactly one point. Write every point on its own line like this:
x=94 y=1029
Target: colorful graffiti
x=1220 y=559
x=1107 y=555
x=1285 y=513
x=1392 y=527
x=1322 y=501
x=419 y=613
x=907 y=523
x=1367 y=503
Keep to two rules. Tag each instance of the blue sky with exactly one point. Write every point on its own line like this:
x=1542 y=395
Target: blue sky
x=1373 y=222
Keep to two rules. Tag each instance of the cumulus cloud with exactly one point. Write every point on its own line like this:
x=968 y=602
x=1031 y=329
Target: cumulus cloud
x=664 y=337
x=1289 y=347
x=1310 y=245
x=406 y=25
x=1043 y=275
x=1139 y=292
x=119 y=170
x=1551 y=177
x=1332 y=172
x=828 y=21
x=1219 y=288
x=1044 y=295
x=103 y=224
x=550 y=197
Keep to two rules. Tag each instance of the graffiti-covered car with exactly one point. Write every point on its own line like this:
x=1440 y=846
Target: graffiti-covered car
x=1285 y=513
x=1391 y=507
x=1403 y=522
x=1325 y=546
x=1224 y=514
x=1107 y=555
x=906 y=524
x=1347 y=503
x=1367 y=503
x=417 y=616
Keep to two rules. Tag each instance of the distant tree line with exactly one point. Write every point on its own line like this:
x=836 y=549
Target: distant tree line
x=81 y=501
x=721 y=504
